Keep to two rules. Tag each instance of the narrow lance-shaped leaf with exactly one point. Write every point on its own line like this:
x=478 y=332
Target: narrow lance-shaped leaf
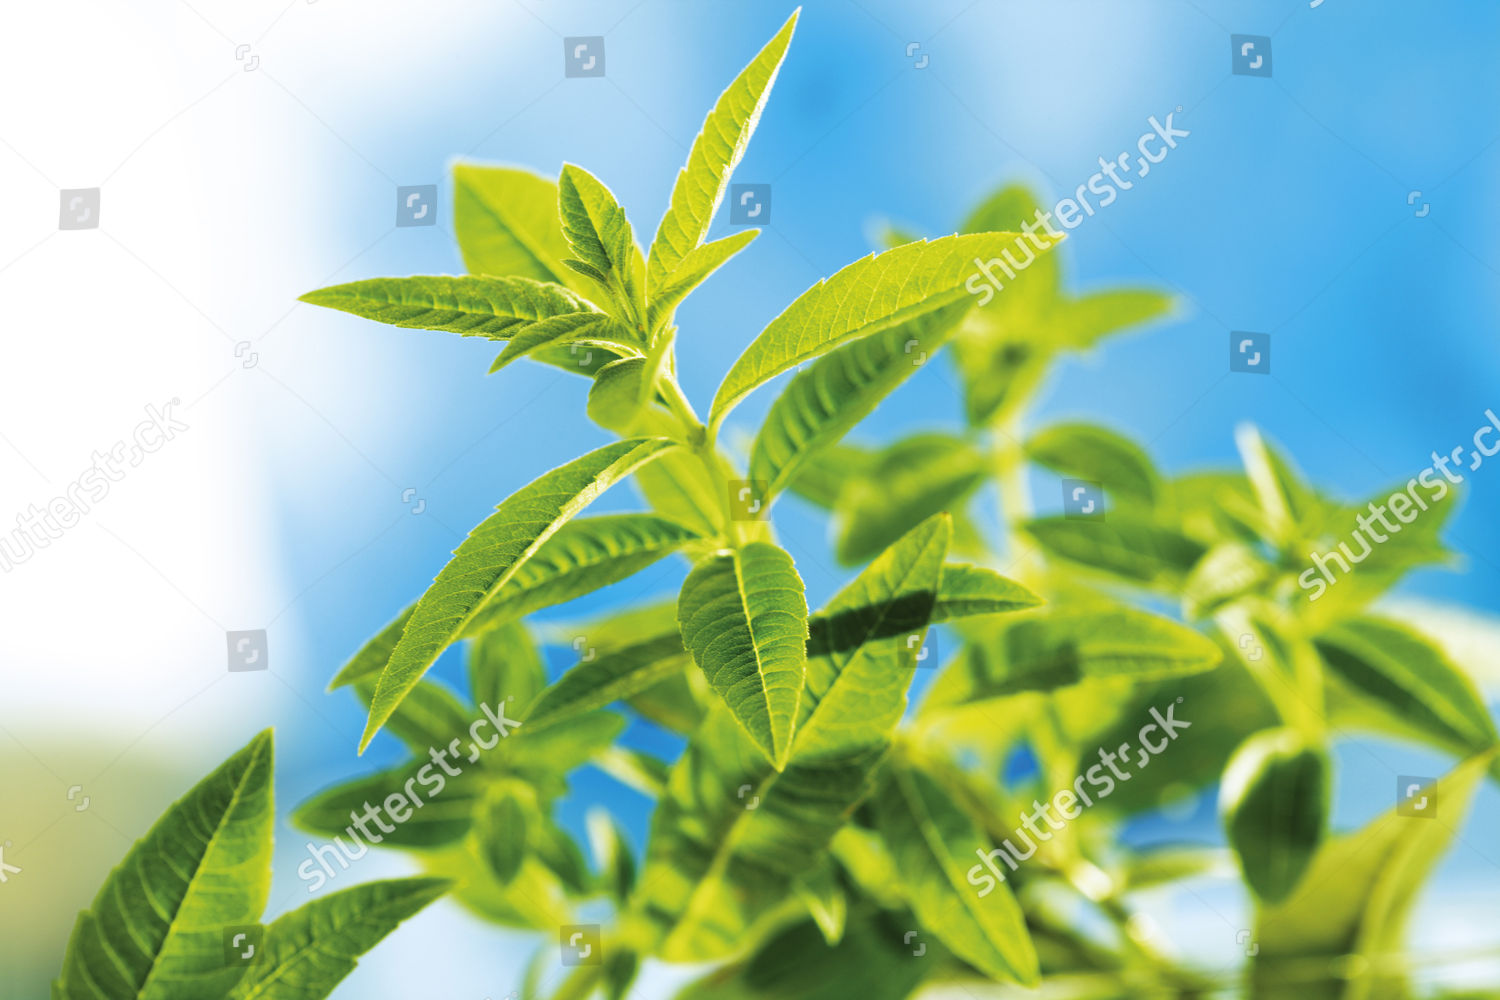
x=156 y=929
x=601 y=236
x=490 y=557
x=824 y=401
x=744 y=619
x=584 y=555
x=716 y=152
x=867 y=297
x=606 y=678
x=573 y=331
x=497 y=308
x=310 y=950
x=691 y=272
x=934 y=844
x=1087 y=451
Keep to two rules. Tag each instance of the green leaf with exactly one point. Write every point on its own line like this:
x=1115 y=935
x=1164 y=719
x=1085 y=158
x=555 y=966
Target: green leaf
x=430 y=716
x=699 y=263
x=612 y=853
x=601 y=680
x=445 y=815
x=1410 y=679
x=911 y=481
x=1131 y=548
x=1083 y=322
x=718 y=860
x=490 y=557
x=1227 y=572
x=619 y=392
x=868 y=297
x=819 y=889
x=601 y=236
x=1058 y=647
x=500 y=828
x=796 y=963
x=373 y=655
x=934 y=843
x=505 y=667
x=579 y=332
x=558 y=749
x=822 y=482
x=584 y=555
x=310 y=950
x=716 y=152
x=156 y=929
x=744 y=619
x=1087 y=451
x=824 y=401
x=1285 y=503
x=1356 y=898
x=1274 y=802
x=968 y=591
x=506 y=222
x=497 y=308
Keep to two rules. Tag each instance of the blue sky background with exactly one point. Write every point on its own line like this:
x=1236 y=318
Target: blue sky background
x=1286 y=211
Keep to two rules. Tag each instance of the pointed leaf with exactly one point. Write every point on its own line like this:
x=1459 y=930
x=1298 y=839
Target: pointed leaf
x=497 y=308
x=601 y=236
x=934 y=843
x=445 y=815
x=309 y=951
x=829 y=397
x=1122 y=545
x=1274 y=802
x=490 y=557
x=716 y=152
x=505 y=666
x=584 y=555
x=912 y=480
x=506 y=222
x=867 y=297
x=1088 y=451
x=156 y=929
x=744 y=619
x=573 y=331
x=607 y=678
x=692 y=271
x=374 y=654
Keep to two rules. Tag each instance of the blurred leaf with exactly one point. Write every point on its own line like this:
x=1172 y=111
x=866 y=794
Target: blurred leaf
x=870 y=962
x=1229 y=571
x=500 y=831
x=1123 y=546
x=826 y=399
x=1356 y=898
x=489 y=558
x=820 y=891
x=506 y=222
x=156 y=928
x=445 y=815
x=1058 y=647
x=601 y=680
x=1411 y=679
x=1284 y=500
x=716 y=152
x=1087 y=451
x=611 y=854
x=1162 y=865
x=559 y=748
x=744 y=619
x=911 y=481
x=933 y=843
x=1084 y=321
x=505 y=668
x=821 y=482
x=634 y=768
x=1274 y=801
x=621 y=390
x=867 y=297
